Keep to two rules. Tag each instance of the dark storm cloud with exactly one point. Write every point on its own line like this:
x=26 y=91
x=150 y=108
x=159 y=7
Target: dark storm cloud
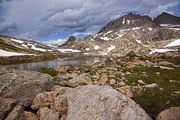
x=4 y=0
x=7 y=28
x=41 y=18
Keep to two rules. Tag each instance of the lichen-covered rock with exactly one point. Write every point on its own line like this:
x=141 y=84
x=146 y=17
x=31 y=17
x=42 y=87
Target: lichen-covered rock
x=73 y=80
x=172 y=113
x=103 y=79
x=48 y=114
x=6 y=106
x=102 y=103
x=46 y=99
x=30 y=116
x=16 y=114
x=126 y=90
x=23 y=86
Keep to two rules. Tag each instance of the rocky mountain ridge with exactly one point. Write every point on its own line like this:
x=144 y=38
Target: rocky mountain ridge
x=129 y=21
x=131 y=32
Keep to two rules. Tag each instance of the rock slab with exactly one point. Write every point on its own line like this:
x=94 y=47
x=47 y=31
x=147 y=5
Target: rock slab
x=102 y=103
x=23 y=86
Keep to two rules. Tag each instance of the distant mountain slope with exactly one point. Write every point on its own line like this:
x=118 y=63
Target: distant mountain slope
x=166 y=18
x=10 y=44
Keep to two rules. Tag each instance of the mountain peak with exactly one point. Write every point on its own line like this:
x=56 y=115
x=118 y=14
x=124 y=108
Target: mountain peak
x=70 y=41
x=166 y=18
x=130 y=20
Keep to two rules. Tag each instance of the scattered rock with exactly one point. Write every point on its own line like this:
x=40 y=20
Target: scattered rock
x=172 y=113
x=6 y=106
x=172 y=81
x=165 y=63
x=141 y=82
x=120 y=84
x=16 y=114
x=157 y=73
x=126 y=90
x=80 y=80
x=44 y=100
x=30 y=116
x=103 y=79
x=47 y=99
x=112 y=82
x=61 y=105
x=109 y=62
x=166 y=68
x=151 y=85
x=48 y=114
x=65 y=69
x=23 y=86
x=73 y=80
x=176 y=92
x=161 y=89
x=128 y=73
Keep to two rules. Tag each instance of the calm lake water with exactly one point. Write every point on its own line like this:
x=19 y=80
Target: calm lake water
x=56 y=63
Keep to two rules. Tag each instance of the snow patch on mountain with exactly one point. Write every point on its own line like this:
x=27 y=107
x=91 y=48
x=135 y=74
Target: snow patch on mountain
x=37 y=49
x=108 y=33
x=139 y=41
x=169 y=25
x=150 y=29
x=96 y=47
x=123 y=22
x=4 y=53
x=160 y=51
x=174 y=43
x=87 y=49
x=68 y=50
x=136 y=28
x=18 y=41
x=111 y=48
x=104 y=38
x=128 y=22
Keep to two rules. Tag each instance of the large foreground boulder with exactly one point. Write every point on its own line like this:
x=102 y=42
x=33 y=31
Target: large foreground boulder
x=102 y=103
x=23 y=86
x=91 y=102
x=172 y=113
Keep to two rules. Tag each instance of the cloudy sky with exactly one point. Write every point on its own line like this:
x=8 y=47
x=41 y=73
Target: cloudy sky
x=45 y=20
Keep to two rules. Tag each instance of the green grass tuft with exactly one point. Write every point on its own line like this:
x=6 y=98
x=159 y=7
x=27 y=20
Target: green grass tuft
x=49 y=71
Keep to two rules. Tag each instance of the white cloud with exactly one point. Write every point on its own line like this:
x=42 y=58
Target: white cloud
x=76 y=34
x=55 y=43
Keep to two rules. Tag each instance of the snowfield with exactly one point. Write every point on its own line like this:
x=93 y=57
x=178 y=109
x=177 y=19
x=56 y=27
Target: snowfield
x=68 y=50
x=38 y=49
x=4 y=53
x=108 y=33
x=111 y=48
x=138 y=41
x=18 y=41
x=160 y=51
x=26 y=44
x=174 y=43
x=96 y=47
x=87 y=49
x=104 y=38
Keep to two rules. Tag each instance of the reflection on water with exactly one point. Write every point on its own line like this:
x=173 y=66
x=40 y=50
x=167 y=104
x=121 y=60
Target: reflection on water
x=55 y=63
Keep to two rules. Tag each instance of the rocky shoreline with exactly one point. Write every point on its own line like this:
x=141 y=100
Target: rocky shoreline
x=110 y=90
